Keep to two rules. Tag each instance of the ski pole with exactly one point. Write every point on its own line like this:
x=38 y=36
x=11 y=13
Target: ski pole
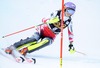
x=80 y=52
x=18 y=31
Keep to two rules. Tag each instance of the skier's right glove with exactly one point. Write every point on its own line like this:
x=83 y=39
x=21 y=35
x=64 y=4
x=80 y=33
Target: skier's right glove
x=44 y=20
x=71 y=48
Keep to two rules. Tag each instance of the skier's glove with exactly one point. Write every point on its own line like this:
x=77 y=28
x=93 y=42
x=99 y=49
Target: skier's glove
x=71 y=48
x=44 y=20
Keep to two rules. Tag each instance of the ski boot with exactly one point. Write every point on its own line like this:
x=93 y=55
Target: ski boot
x=9 y=49
x=28 y=59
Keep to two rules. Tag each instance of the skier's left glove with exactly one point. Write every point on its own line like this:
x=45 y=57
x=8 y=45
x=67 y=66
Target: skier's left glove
x=71 y=48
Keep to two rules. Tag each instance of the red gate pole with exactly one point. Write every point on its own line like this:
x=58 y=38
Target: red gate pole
x=61 y=39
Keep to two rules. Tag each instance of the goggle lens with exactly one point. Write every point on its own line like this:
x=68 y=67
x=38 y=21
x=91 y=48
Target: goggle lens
x=70 y=11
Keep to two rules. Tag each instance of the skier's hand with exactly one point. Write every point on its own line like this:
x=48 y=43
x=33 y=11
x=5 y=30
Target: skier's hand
x=71 y=48
x=44 y=20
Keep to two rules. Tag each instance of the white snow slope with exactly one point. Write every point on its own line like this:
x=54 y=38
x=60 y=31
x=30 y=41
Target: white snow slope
x=16 y=15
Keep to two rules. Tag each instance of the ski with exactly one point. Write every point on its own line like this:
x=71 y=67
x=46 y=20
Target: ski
x=17 y=57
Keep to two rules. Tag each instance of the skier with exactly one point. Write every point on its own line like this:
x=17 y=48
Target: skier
x=46 y=32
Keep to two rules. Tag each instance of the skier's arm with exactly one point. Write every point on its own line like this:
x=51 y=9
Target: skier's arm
x=70 y=35
x=70 y=32
x=52 y=19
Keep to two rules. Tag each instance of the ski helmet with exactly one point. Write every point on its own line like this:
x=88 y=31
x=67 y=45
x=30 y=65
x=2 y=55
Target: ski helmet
x=70 y=5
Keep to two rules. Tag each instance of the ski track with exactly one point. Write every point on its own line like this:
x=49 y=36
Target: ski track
x=48 y=61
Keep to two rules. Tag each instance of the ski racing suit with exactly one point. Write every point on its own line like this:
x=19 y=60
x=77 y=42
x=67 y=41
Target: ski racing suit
x=46 y=33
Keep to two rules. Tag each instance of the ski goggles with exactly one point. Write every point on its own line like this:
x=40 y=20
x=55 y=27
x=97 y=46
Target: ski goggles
x=70 y=11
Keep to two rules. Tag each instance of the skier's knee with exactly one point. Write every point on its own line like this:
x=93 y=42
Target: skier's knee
x=36 y=36
x=49 y=40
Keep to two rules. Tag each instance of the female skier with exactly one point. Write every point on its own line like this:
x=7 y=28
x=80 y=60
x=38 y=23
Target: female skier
x=46 y=33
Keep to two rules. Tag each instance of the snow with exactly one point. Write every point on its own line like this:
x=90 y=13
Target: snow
x=20 y=14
